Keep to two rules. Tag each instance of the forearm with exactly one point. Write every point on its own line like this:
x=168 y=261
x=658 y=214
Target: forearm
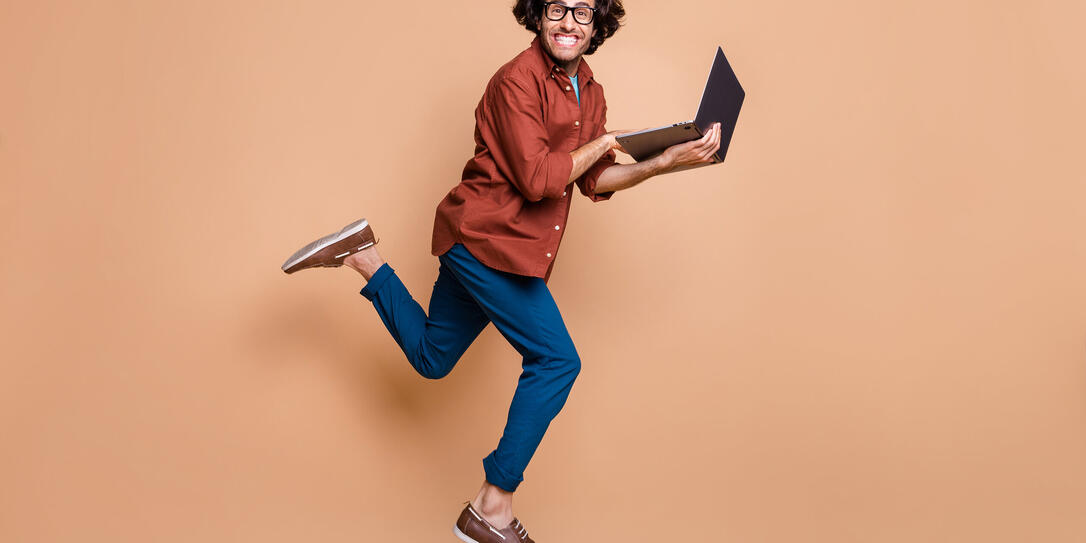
x=587 y=155
x=624 y=176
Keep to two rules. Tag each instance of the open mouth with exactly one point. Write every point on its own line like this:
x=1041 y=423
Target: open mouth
x=566 y=40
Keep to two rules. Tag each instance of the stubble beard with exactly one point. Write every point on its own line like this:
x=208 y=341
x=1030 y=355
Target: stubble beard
x=554 y=50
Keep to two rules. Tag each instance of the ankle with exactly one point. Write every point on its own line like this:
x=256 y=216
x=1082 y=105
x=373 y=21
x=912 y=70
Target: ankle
x=492 y=507
x=492 y=501
x=366 y=262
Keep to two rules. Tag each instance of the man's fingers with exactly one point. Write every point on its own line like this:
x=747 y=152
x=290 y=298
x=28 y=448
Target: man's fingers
x=715 y=148
x=714 y=143
x=699 y=143
x=708 y=154
x=708 y=143
x=701 y=150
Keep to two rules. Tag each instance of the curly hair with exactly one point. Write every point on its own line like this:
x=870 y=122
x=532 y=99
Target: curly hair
x=609 y=14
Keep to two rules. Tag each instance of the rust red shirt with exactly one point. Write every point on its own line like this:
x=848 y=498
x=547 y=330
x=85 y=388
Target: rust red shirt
x=513 y=199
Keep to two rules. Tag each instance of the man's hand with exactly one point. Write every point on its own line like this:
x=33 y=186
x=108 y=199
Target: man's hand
x=587 y=155
x=612 y=138
x=624 y=176
x=699 y=151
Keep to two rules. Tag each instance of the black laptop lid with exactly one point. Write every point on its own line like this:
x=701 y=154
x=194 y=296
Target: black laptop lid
x=720 y=101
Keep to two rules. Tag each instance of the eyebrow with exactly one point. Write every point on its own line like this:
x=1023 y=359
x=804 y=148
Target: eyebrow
x=577 y=5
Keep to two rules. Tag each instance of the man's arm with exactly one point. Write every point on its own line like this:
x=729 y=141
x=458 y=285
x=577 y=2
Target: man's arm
x=587 y=155
x=624 y=176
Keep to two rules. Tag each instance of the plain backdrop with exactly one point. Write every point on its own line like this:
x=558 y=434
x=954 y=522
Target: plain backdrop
x=868 y=325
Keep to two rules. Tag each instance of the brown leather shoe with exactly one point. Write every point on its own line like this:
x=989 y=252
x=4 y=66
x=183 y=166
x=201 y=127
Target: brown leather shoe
x=330 y=250
x=471 y=527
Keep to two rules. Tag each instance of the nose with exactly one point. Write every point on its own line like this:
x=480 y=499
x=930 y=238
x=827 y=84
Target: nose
x=568 y=22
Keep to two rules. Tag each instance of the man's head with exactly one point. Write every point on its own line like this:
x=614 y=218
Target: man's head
x=561 y=24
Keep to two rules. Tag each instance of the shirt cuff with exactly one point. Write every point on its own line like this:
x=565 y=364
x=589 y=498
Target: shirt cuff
x=559 y=166
x=587 y=182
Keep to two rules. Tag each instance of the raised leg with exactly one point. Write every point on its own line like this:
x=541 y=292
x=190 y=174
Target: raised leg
x=433 y=344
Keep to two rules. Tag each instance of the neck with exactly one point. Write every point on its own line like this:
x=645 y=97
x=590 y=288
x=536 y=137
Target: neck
x=571 y=67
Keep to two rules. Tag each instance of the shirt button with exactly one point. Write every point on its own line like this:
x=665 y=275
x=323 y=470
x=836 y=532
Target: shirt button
x=548 y=255
x=564 y=193
x=556 y=227
x=576 y=123
x=568 y=87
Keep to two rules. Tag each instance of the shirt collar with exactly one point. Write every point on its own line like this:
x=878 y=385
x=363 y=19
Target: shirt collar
x=584 y=72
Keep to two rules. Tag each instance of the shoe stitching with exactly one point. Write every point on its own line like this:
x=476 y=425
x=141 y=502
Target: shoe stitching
x=472 y=511
x=485 y=523
x=312 y=248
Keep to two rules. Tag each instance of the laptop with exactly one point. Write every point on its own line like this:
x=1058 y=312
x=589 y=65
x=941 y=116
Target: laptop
x=720 y=102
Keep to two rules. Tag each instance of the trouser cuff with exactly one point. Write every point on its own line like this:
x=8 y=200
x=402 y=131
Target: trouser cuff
x=377 y=281
x=499 y=477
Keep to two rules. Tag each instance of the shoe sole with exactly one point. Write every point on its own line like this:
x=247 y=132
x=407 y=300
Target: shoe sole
x=463 y=537
x=312 y=248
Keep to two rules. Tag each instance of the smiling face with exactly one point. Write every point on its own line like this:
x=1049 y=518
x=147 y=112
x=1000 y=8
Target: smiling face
x=567 y=40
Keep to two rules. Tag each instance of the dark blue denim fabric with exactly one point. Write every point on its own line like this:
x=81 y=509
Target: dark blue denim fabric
x=467 y=296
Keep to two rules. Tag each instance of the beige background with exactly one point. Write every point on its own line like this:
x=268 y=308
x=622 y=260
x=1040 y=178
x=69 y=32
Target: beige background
x=869 y=325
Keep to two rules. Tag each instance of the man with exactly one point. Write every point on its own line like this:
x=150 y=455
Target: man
x=539 y=130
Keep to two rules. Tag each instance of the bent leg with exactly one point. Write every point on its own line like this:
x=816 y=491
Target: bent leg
x=432 y=344
x=524 y=311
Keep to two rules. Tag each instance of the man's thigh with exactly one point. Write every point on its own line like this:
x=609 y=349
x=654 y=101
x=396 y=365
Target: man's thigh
x=455 y=319
x=521 y=308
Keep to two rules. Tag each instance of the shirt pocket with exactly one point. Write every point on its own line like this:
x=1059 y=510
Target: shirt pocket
x=589 y=126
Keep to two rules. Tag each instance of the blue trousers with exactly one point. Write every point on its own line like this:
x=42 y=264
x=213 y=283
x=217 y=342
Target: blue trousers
x=467 y=296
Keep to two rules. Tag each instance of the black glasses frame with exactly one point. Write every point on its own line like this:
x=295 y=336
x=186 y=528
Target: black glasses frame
x=565 y=9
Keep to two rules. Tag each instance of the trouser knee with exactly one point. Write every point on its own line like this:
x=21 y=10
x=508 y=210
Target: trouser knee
x=575 y=365
x=567 y=364
x=431 y=367
x=433 y=372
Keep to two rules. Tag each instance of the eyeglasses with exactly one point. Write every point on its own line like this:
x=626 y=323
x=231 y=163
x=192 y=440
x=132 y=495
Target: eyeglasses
x=556 y=12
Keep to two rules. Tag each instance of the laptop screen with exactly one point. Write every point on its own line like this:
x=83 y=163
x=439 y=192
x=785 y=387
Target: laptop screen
x=721 y=100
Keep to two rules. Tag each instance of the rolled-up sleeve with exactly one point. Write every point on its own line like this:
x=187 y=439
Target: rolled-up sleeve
x=518 y=141
x=587 y=181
